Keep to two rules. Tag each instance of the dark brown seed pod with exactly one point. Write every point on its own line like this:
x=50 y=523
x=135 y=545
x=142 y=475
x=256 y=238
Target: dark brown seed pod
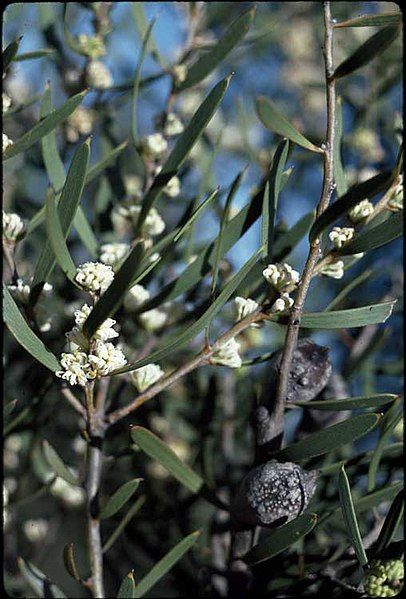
x=309 y=373
x=272 y=494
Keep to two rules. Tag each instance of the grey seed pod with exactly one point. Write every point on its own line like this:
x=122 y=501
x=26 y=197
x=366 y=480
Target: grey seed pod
x=272 y=494
x=309 y=373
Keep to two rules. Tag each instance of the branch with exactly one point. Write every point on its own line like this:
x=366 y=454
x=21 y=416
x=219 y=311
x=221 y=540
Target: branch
x=314 y=252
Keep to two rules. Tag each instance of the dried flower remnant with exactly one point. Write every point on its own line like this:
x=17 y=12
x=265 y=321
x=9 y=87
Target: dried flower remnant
x=281 y=276
x=339 y=236
x=94 y=277
x=113 y=253
x=98 y=75
x=272 y=494
x=384 y=578
x=146 y=376
x=227 y=354
x=361 y=211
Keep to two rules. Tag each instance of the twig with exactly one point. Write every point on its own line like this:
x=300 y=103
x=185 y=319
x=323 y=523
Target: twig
x=314 y=252
x=74 y=402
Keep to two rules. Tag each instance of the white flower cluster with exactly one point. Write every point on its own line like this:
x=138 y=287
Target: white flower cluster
x=396 y=201
x=361 y=211
x=21 y=290
x=281 y=276
x=334 y=270
x=146 y=376
x=172 y=188
x=80 y=367
x=154 y=145
x=112 y=253
x=91 y=45
x=98 y=75
x=80 y=122
x=227 y=354
x=283 y=303
x=6 y=102
x=36 y=529
x=179 y=72
x=133 y=185
x=70 y=494
x=339 y=236
x=94 y=277
x=125 y=217
x=13 y=227
x=173 y=125
x=152 y=320
x=154 y=223
x=7 y=142
x=103 y=333
x=245 y=307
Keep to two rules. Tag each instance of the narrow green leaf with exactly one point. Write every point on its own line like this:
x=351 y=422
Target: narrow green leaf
x=375 y=237
x=120 y=498
x=127 y=587
x=70 y=562
x=44 y=126
x=58 y=465
x=19 y=328
x=38 y=582
x=67 y=207
x=113 y=297
x=224 y=219
x=159 y=451
x=165 y=564
x=391 y=524
x=194 y=216
x=355 y=364
x=44 y=53
x=183 y=146
x=366 y=189
x=56 y=174
x=137 y=83
x=275 y=121
x=350 y=403
x=56 y=238
x=377 y=20
x=348 y=288
x=8 y=408
x=350 y=517
x=376 y=458
x=339 y=175
x=374 y=46
x=342 y=319
x=281 y=539
x=134 y=509
x=193 y=330
x=10 y=52
x=141 y=24
x=329 y=438
x=207 y=62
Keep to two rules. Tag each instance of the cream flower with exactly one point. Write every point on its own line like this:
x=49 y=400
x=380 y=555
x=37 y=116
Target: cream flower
x=173 y=125
x=283 y=303
x=103 y=333
x=334 y=270
x=179 y=72
x=227 y=354
x=98 y=75
x=135 y=296
x=281 y=276
x=152 y=320
x=80 y=122
x=339 y=236
x=21 y=290
x=133 y=185
x=146 y=376
x=13 y=227
x=76 y=368
x=94 y=277
x=36 y=530
x=245 y=307
x=70 y=494
x=154 y=145
x=112 y=253
x=92 y=45
x=172 y=188
x=105 y=358
x=361 y=211
x=6 y=102
x=7 y=142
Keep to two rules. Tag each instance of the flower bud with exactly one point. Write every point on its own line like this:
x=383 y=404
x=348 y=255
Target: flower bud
x=13 y=227
x=98 y=75
x=245 y=307
x=283 y=303
x=281 y=276
x=339 y=236
x=334 y=270
x=360 y=211
x=154 y=145
x=7 y=142
x=272 y=494
x=227 y=354
x=113 y=253
x=6 y=102
x=384 y=578
x=146 y=376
